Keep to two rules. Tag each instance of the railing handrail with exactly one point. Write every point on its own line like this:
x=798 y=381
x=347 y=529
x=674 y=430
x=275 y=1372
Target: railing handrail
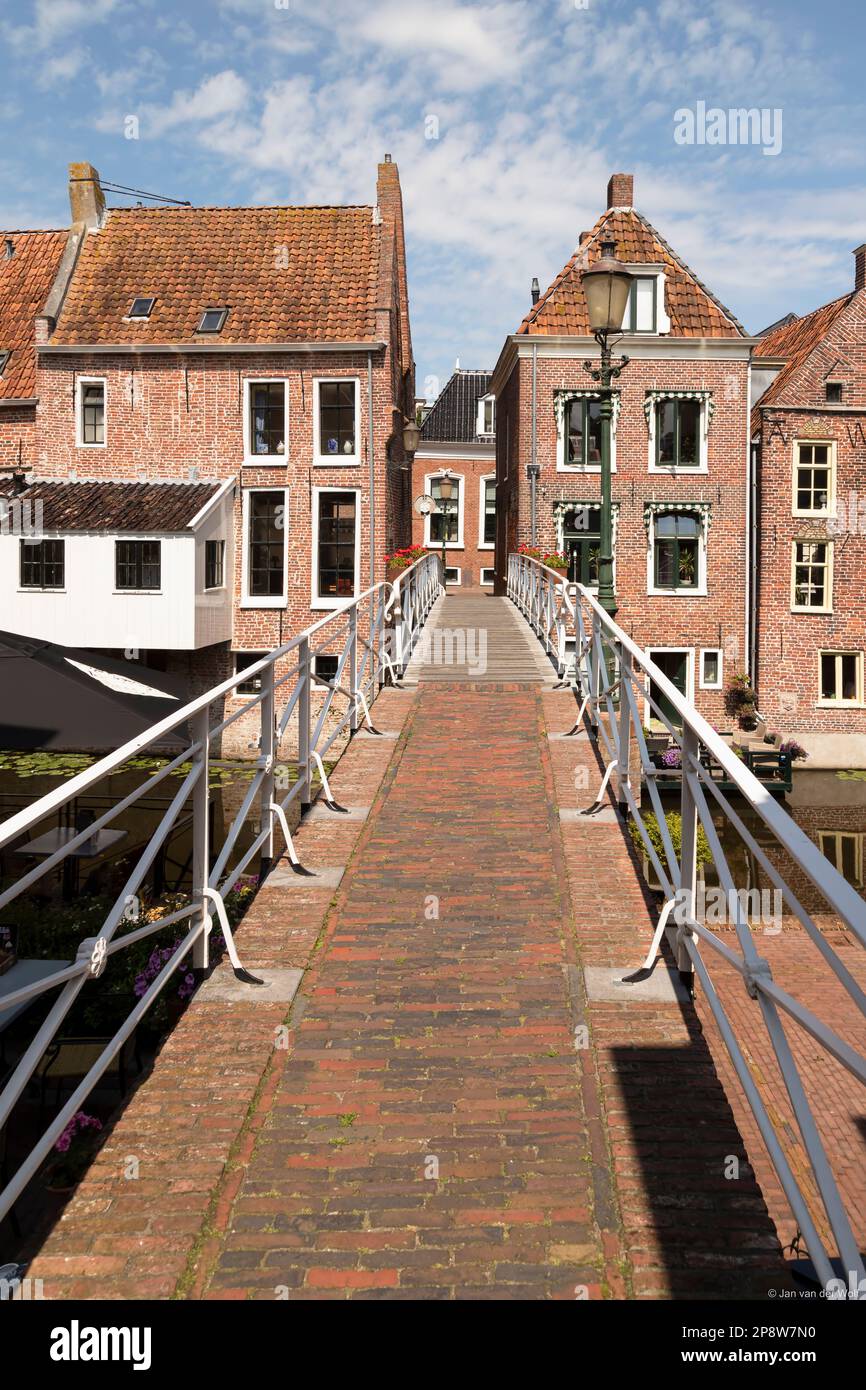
x=839 y=893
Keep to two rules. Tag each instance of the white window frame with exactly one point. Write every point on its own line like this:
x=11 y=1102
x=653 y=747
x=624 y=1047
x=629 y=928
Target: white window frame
x=678 y=470
x=318 y=604
x=699 y=590
x=711 y=685
x=830 y=445
x=651 y=652
x=856 y=703
x=79 y=410
x=460 y=481
x=249 y=600
x=454 y=583
x=321 y=460
x=491 y=570
x=264 y=460
x=241 y=651
x=216 y=588
x=827 y=606
x=838 y=835
x=483 y=403
x=482 y=490
x=562 y=444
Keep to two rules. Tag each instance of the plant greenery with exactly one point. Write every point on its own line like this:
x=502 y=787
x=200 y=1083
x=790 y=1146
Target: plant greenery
x=675 y=829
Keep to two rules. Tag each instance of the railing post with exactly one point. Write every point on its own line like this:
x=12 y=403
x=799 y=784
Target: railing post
x=305 y=673
x=352 y=666
x=200 y=730
x=397 y=637
x=624 y=748
x=268 y=754
x=688 y=842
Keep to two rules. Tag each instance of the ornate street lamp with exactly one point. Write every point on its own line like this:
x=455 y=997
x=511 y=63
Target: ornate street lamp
x=411 y=436
x=607 y=286
x=446 y=490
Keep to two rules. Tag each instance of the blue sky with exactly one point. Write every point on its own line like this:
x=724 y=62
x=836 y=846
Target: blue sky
x=535 y=103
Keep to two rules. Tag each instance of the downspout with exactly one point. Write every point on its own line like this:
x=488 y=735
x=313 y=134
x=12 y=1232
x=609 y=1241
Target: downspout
x=755 y=458
x=750 y=541
x=372 y=468
x=533 y=513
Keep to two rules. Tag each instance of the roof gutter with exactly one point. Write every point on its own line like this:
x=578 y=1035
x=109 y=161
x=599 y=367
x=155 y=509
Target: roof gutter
x=69 y=349
x=21 y=400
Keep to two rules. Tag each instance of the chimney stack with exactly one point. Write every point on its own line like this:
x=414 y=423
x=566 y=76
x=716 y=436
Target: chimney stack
x=860 y=268
x=86 y=199
x=620 y=191
x=536 y=291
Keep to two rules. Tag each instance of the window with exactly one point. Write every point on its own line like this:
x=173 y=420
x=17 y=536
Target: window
x=841 y=678
x=266 y=419
x=812 y=576
x=214 y=564
x=137 y=564
x=337 y=420
x=834 y=392
x=678 y=426
x=583 y=434
x=488 y=576
x=42 y=564
x=4 y=358
x=488 y=514
x=640 y=315
x=448 y=521
x=243 y=660
x=91 y=412
x=336 y=560
x=266 y=544
x=212 y=320
x=487 y=415
x=677 y=551
x=581 y=538
x=142 y=308
x=711 y=669
x=452 y=574
x=845 y=852
x=813 y=479
x=325 y=668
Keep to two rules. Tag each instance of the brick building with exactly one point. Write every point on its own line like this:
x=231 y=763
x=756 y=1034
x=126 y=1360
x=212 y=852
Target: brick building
x=680 y=452
x=222 y=396
x=458 y=437
x=28 y=265
x=809 y=425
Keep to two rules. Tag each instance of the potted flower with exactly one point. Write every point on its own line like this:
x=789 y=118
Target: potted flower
x=741 y=700
x=74 y=1149
x=793 y=751
x=657 y=741
x=401 y=560
x=555 y=561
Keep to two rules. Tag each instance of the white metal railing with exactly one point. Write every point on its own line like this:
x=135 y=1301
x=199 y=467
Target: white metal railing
x=612 y=675
x=547 y=602
x=361 y=636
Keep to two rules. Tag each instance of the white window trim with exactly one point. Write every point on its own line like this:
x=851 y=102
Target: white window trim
x=827 y=606
x=216 y=588
x=487 y=569
x=830 y=509
x=698 y=591
x=321 y=460
x=663 y=322
x=560 y=532
x=459 y=479
x=454 y=583
x=249 y=600
x=711 y=685
x=562 y=443
x=79 y=410
x=838 y=835
x=482 y=488
x=317 y=603
x=857 y=703
x=136 y=536
x=265 y=460
x=689 y=652
x=479 y=423
x=679 y=470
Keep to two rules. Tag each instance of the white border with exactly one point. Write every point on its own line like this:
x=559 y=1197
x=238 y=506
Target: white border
x=561 y=444
x=460 y=480
x=698 y=590
x=265 y=460
x=262 y=601
x=321 y=460
x=830 y=509
x=317 y=603
x=690 y=677
x=827 y=605
x=680 y=470
x=858 y=703
x=482 y=482
x=711 y=685
x=79 y=416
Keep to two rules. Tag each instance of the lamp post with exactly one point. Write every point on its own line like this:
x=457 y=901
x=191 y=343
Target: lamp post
x=607 y=285
x=446 y=489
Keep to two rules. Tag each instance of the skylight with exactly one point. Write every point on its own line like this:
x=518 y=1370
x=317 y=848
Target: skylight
x=4 y=358
x=142 y=307
x=212 y=320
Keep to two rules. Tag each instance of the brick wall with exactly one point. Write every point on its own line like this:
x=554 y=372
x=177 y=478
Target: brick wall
x=470 y=558
x=17 y=436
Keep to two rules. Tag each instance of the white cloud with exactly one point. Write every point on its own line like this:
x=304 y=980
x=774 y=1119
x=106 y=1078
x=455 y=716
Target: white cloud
x=222 y=95
x=56 y=19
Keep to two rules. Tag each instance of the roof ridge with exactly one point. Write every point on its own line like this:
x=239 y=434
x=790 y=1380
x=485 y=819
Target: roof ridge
x=34 y=231
x=251 y=207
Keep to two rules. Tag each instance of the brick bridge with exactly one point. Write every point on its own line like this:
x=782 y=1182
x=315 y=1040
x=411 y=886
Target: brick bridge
x=460 y=1103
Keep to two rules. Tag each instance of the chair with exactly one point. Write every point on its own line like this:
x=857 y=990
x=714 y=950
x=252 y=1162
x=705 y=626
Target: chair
x=71 y=1058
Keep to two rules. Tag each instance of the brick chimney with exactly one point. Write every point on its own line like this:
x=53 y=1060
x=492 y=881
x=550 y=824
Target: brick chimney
x=389 y=197
x=860 y=268
x=620 y=191
x=86 y=199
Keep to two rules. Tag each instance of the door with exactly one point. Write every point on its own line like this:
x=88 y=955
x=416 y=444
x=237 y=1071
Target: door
x=674 y=665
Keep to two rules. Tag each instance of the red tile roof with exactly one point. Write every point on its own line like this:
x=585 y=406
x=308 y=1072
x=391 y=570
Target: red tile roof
x=146 y=507
x=25 y=280
x=693 y=310
x=285 y=274
x=795 y=342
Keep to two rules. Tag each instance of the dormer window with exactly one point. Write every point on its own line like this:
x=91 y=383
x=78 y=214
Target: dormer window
x=212 y=320
x=4 y=358
x=487 y=416
x=640 y=315
x=142 y=308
